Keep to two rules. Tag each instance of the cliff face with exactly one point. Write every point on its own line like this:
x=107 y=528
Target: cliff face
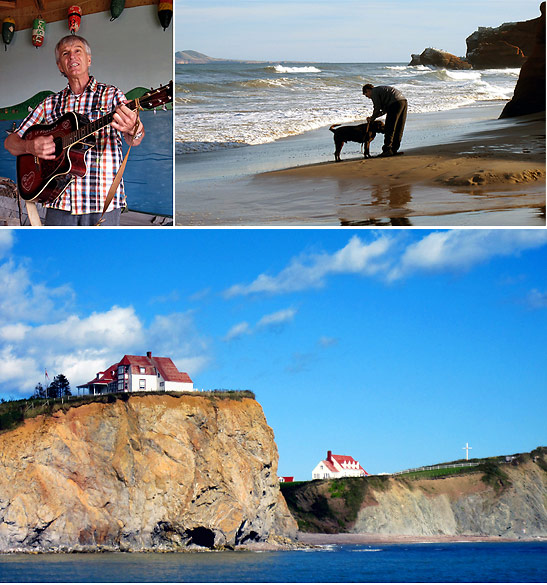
x=512 y=504
x=529 y=95
x=151 y=472
x=461 y=506
x=507 y=45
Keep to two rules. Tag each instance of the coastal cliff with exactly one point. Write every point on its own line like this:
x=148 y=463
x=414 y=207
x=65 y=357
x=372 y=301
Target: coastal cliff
x=153 y=472
x=502 y=500
x=508 y=45
x=529 y=95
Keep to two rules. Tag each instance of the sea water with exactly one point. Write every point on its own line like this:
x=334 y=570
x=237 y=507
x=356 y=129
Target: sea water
x=453 y=562
x=224 y=105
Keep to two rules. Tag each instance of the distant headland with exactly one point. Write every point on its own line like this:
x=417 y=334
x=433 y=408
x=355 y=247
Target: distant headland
x=189 y=57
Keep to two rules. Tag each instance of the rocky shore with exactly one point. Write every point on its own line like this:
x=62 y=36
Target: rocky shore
x=511 y=45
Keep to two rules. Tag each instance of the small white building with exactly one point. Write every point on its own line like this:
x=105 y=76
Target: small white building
x=135 y=373
x=338 y=466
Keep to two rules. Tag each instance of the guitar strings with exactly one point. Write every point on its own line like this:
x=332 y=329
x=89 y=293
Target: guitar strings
x=83 y=132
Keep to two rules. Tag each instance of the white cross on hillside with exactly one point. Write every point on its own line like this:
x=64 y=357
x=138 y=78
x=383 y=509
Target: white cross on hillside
x=466 y=448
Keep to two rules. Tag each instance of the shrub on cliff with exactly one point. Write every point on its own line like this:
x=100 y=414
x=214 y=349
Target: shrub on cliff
x=11 y=415
x=494 y=476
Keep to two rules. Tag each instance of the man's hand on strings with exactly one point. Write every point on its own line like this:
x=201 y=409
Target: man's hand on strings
x=125 y=120
x=41 y=147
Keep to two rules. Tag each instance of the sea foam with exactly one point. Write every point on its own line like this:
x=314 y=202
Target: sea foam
x=283 y=69
x=226 y=106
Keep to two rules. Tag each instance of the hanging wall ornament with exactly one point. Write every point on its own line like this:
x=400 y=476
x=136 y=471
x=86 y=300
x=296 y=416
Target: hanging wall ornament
x=116 y=8
x=38 y=31
x=8 y=30
x=165 y=12
x=74 y=19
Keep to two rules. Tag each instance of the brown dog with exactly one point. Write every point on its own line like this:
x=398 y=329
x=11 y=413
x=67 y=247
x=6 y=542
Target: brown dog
x=363 y=133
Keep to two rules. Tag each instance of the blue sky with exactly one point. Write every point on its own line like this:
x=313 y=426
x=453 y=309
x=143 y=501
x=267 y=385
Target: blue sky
x=395 y=346
x=343 y=31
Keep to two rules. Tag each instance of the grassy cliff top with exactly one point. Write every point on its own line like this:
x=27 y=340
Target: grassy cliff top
x=14 y=412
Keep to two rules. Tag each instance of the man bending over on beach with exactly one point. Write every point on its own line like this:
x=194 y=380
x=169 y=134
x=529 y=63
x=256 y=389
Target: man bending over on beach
x=390 y=101
x=82 y=201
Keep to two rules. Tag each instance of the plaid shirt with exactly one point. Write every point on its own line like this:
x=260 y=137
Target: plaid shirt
x=87 y=194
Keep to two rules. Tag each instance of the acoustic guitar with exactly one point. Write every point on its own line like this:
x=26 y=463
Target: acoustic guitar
x=42 y=180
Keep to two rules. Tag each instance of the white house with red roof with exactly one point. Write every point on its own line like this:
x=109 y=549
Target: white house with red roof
x=338 y=466
x=136 y=373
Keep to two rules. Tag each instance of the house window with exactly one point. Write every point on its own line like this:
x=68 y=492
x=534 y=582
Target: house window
x=120 y=369
x=142 y=370
x=120 y=386
x=142 y=384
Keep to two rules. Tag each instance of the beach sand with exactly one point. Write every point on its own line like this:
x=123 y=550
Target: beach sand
x=463 y=167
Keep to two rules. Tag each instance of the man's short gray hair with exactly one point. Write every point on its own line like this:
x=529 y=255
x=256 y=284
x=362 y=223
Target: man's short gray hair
x=70 y=40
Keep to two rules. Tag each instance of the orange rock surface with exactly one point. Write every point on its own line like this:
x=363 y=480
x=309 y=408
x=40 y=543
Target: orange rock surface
x=148 y=473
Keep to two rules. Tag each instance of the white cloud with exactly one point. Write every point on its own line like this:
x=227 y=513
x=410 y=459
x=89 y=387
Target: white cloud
x=311 y=271
x=462 y=249
x=14 y=332
x=115 y=328
x=277 y=318
x=271 y=321
x=6 y=241
x=21 y=298
x=325 y=341
x=536 y=299
x=19 y=371
x=238 y=331
x=79 y=347
x=176 y=336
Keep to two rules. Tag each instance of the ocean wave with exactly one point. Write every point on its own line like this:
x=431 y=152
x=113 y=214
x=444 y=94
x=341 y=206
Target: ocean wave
x=511 y=72
x=487 y=91
x=249 y=105
x=194 y=146
x=408 y=68
x=278 y=82
x=453 y=75
x=283 y=69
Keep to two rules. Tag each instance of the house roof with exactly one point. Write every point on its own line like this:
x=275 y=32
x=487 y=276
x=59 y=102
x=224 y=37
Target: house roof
x=330 y=466
x=103 y=377
x=341 y=460
x=163 y=365
x=151 y=365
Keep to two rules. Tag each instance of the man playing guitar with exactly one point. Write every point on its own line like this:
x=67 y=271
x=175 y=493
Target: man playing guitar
x=81 y=203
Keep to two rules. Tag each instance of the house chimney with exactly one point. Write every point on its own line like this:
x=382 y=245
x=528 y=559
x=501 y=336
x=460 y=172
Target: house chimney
x=148 y=354
x=329 y=455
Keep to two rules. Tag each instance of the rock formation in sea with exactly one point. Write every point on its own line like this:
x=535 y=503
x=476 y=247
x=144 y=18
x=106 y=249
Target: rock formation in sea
x=506 y=499
x=508 y=45
x=151 y=472
x=529 y=95
x=438 y=58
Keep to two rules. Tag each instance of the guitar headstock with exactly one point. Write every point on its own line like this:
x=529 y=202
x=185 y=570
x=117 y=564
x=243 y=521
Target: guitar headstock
x=157 y=97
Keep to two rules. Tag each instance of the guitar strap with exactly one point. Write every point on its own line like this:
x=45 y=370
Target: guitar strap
x=32 y=213
x=119 y=174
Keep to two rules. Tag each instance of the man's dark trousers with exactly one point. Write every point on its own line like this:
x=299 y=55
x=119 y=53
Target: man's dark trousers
x=395 y=125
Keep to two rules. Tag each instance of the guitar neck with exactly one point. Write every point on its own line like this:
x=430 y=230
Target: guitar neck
x=88 y=129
